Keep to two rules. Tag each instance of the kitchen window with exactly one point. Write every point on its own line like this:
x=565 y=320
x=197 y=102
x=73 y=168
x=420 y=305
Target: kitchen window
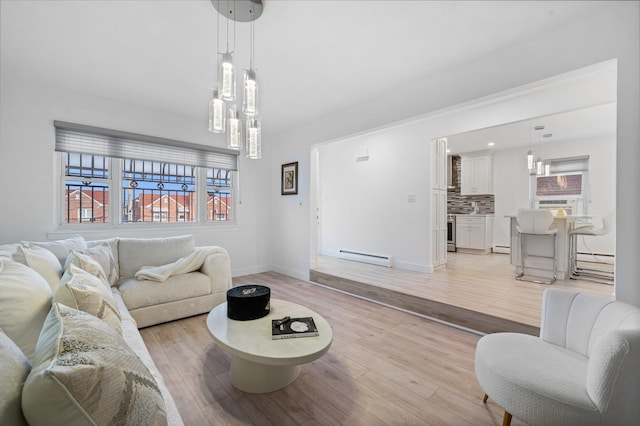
x=118 y=178
x=566 y=187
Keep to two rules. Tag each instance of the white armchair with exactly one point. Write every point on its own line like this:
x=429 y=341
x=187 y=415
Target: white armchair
x=584 y=369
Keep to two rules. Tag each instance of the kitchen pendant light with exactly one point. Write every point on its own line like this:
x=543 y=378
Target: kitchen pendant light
x=547 y=163
x=530 y=161
x=234 y=134
x=217 y=114
x=539 y=162
x=252 y=134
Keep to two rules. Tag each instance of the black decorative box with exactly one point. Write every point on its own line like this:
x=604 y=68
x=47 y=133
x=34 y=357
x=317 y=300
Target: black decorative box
x=248 y=302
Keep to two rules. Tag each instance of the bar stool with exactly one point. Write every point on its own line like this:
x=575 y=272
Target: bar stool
x=535 y=223
x=596 y=275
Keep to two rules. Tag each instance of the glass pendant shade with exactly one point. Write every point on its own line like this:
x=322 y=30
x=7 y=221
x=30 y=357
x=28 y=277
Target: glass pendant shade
x=539 y=167
x=529 y=161
x=227 y=78
x=252 y=135
x=547 y=168
x=233 y=134
x=250 y=98
x=217 y=114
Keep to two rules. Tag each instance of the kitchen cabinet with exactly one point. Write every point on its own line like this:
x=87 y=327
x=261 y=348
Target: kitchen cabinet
x=474 y=233
x=476 y=175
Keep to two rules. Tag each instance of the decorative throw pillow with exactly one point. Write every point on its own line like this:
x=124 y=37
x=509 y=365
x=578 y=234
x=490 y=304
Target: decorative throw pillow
x=14 y=369
x=25 y=300
x=87 y=374
x=61 y=248
x=43 y=262
x=103 y=255
x=88 y=264
x=81 y=290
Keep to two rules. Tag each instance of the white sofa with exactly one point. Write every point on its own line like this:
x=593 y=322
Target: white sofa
x=70 y=350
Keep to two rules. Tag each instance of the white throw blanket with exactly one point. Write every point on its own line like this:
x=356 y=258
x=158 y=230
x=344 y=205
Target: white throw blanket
x=190 y=263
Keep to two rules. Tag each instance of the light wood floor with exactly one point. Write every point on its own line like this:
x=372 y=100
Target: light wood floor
x=385 y=367
x=475 y=291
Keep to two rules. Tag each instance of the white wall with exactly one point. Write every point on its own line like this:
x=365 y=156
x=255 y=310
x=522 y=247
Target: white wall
x=27 y=170
x=364 y=204
x=588 y=40
x=511 y=185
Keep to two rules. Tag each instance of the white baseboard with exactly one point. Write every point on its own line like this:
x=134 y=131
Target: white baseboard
x=502 y=249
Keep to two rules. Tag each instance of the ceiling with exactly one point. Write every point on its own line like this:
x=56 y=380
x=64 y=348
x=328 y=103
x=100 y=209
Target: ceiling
x=313 y=58
x=582 y=124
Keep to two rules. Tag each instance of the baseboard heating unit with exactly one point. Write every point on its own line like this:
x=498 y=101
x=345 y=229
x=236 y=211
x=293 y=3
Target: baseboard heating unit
x=374 y=259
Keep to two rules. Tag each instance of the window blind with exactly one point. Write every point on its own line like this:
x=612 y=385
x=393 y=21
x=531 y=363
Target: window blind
x=569 y=164
x=79 y=138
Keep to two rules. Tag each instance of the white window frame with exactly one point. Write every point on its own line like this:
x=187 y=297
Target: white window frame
x=114 y=183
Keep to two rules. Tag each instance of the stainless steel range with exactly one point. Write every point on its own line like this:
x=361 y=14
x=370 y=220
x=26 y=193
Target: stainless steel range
x=451 y=232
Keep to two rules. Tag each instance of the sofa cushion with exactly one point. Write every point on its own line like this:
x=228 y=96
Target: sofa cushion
x=85 y=373
x=43 y=262
x=8 y=250
x=25 y=300
x=14 y=369
x=87 y=264
x=61 y=248
x=106 y=253
x=82 y=290
x=138 y=294
x=134 y=253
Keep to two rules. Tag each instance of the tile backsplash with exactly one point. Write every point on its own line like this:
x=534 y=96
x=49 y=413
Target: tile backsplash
x=461 y=204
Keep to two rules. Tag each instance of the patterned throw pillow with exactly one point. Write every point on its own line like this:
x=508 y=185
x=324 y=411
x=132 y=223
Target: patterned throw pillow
x=88 y=264
x=104 y=256
x=82 y=290
x=86 y=374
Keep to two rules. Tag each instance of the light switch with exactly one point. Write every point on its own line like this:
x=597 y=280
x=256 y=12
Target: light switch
x=412 y=198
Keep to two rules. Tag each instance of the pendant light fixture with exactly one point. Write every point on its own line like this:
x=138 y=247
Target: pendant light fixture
x=250 y=98
x=254 y=150
x=530 y=159
x=217 y=114
x=547 y=163
x=539 y=163
x=234 y=134
x=237 y=11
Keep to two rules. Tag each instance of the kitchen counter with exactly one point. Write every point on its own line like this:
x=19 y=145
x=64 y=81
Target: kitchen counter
x=472 y=215
x=542 y=246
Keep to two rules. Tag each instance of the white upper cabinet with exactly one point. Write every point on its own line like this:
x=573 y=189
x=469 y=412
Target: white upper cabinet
x=476 y=175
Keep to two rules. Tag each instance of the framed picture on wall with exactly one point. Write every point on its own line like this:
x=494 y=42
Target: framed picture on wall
x=289 y=179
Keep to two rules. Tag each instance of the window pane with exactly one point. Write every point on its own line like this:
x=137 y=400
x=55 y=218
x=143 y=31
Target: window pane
x=559 y=185
x=219 y=200
x=86 y=202
x=85 y=165
x=158 y=192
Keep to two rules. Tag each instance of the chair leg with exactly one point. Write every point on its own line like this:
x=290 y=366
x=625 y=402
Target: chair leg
x=506 y=421
x=485 y=398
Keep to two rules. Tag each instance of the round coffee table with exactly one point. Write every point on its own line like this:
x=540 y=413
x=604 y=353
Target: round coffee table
x=258 y=363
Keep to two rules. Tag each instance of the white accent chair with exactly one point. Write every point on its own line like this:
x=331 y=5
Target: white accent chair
x=589 y=274
x=533 y=224
x=584 y=369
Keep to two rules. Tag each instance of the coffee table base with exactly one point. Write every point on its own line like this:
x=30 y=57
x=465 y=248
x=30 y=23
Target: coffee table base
x=252 y=377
